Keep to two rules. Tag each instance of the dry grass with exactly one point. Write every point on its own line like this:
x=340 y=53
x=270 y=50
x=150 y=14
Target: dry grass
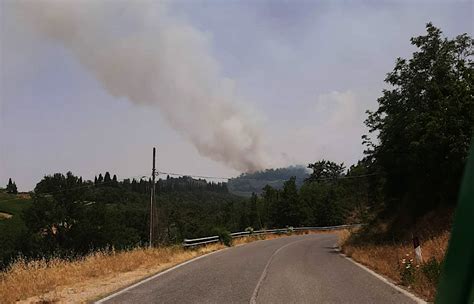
x=387 y=260
x=87 y=278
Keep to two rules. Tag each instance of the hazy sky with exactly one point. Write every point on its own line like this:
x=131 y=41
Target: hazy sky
x=303 y=71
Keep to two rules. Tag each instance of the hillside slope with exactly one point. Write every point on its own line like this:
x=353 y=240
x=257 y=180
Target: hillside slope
x=248 y=183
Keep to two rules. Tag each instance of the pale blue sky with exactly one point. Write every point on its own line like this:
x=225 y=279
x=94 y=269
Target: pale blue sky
x=308 y=69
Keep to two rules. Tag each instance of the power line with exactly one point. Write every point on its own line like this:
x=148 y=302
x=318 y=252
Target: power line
x=196 y=176
x=347 y=177
x=275 y=180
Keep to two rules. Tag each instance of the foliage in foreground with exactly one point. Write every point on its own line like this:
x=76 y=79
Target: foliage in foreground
x=397 y=261
x=424 y=124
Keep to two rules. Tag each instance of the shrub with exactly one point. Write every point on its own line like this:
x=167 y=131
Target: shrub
x=407 y=271
x=224 y=237
x=250 y=230
x=432 y=270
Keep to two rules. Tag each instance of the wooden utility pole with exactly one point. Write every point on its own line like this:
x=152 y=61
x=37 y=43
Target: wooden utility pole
x=152 y=197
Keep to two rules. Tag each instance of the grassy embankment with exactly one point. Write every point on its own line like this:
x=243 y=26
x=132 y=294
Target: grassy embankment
x=395 y=258
x=11 y=206
x=95 y=275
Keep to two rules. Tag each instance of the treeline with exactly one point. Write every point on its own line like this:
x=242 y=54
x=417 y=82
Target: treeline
x=329 y=196
x=424 y=126
x=58 y=181
x=70 y=216
x=248 y=183
x=415 y=153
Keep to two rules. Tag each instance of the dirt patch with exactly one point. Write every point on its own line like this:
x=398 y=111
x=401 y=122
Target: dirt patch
x=4 y=215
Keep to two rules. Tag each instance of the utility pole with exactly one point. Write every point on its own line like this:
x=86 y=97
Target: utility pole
x=152 y=197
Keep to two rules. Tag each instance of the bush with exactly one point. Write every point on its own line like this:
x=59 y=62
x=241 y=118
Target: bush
x=224 y=237
x=432 y=270
x=407 y=271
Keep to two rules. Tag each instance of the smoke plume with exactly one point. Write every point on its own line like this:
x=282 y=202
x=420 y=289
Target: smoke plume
x=137 y=50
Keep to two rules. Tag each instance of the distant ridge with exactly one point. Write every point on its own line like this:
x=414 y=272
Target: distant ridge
x=248 y=183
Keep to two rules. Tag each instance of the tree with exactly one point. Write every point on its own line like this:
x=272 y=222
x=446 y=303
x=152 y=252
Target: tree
x=11 y=187
x=425 y=122
x=107 y=178
x=270 y=198
x=100 y=179
x=254 y=218
x=287 y=212
x=325 y=170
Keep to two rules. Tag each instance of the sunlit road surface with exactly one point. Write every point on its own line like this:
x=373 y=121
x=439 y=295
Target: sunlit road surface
x=296 y=269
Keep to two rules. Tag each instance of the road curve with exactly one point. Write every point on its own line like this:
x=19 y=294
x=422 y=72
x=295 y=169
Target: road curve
x=296 y=269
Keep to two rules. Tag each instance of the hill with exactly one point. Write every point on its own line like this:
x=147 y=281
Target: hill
x=248 y=183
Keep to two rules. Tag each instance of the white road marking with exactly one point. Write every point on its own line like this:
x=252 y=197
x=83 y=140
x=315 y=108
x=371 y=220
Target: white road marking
x=101 y=301
x=385 y=280
x=253 y=299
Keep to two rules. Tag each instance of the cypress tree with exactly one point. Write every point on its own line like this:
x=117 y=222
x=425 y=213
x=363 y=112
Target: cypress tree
x=11 y=187
x=107 y=178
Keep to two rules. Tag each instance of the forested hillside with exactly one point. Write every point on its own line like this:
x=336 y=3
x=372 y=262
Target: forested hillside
x=248 y=183
x=72 y=216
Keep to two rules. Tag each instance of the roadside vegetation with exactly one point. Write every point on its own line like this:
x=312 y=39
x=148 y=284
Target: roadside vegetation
x=396 y=259
x=424 y=127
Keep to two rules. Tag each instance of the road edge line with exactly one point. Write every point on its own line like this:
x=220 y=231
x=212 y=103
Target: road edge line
x=113 y=295
x=156 y=275
x=385 y=280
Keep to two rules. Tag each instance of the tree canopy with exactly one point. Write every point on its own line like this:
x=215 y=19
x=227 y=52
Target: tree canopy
x=11 y=187
x=424 y=122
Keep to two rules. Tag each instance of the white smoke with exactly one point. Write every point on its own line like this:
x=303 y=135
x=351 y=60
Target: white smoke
x=137 y=50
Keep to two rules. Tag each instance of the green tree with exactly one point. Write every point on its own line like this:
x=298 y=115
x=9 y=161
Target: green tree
x=287 y=211
x=11 y=187
x=107 y=178
x=254 y=217
x=424 y=122
x=270 y=199
x=325 y=170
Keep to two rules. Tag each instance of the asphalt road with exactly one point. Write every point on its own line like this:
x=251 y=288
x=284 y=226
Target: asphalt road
x=296 y=269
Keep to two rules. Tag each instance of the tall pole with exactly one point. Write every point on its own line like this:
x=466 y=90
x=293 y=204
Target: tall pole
x=152 y=197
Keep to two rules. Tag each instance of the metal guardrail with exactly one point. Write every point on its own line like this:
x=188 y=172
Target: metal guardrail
x=234 y=235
